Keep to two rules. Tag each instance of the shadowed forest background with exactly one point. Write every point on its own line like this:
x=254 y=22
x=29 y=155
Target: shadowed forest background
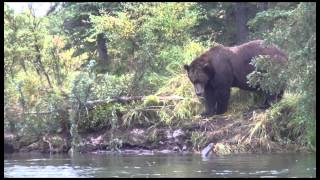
x=91 y=67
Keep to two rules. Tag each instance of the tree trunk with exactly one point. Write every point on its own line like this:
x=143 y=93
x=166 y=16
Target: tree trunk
x=102 y=49
x=242 y=12
x=241 y=19
x=40 y=65
x=57 y=69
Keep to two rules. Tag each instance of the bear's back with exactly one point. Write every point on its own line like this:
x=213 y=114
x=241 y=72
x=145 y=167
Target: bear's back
x=245 y=52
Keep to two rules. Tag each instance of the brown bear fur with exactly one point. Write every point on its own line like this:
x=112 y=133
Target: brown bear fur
x=220 y=68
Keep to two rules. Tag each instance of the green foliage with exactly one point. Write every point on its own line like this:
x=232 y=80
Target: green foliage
x=22 y=33
x=151 y=101
x=138 y=116
x=147 y=38
x=288 y=104
x=104 y=116
x=199 y=140
x=170 y=22
x=32 y=125
x=182 y=105
x=286 y=123
x=108 y=86
x=242 y=101
x=183 y=109
x=269 y=75
x=294 y=29
x=290 y=123
x=52 y=63
x=263 y=22
x=82 y=86
x=73 y=20
x=306 y=116
x=85 y=87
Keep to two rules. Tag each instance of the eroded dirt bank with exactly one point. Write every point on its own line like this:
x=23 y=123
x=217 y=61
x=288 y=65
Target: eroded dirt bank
x=228 y=135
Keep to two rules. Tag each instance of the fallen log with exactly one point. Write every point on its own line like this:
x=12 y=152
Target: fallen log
x=126 y=99
x=121 y=99
x=39 y=113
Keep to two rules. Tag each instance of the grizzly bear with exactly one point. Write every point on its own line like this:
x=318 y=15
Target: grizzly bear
x=220 y=68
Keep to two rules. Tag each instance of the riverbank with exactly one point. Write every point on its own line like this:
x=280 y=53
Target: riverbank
x=247 y=133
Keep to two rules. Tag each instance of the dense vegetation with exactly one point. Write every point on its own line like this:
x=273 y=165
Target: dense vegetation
x=57 y=64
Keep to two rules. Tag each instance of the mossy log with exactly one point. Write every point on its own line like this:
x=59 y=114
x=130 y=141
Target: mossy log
x=121 y=99
x=126 y=99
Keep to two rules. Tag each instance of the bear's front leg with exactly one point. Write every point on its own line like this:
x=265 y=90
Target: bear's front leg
x=210 y=110
x=210 y=102
x=223 y=96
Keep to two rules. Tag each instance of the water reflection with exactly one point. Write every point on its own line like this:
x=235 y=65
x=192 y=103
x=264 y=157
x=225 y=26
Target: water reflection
x=160 y=165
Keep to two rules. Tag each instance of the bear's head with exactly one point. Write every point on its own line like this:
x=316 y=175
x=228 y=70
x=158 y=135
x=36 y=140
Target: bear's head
x=199 y=74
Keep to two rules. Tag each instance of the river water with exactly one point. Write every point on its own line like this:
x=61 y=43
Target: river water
x=159 y=165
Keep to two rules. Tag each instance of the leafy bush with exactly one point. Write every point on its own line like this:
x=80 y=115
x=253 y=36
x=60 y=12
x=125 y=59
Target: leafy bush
x=187 y=107
x=241 y=101
x=108 y=86
x=151 y=101
x=147 y=38
x=52 y=62
x=103 y=116
x=294 y=29
x=85 y=87
x=289 y=124
x=269 y=75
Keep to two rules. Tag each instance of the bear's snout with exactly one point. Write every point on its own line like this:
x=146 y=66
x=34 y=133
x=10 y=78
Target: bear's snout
x=198 y=94
x=199 y=90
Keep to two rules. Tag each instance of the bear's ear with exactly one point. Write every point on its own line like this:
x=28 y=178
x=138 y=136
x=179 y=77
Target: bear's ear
x=186 y=67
